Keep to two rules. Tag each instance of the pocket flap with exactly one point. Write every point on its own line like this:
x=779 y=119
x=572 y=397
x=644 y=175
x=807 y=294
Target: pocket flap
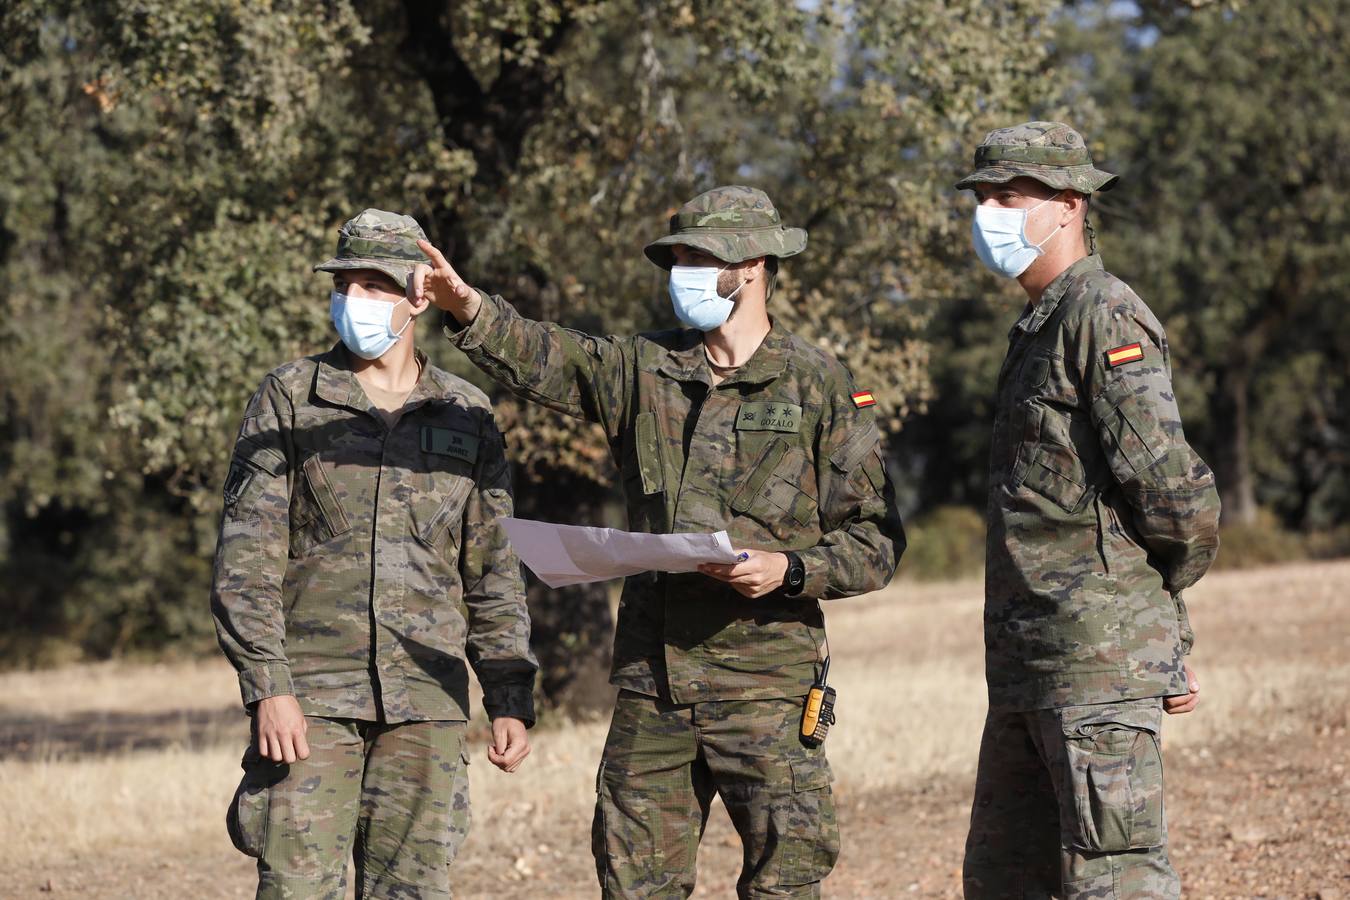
x=810 y=774
x=852 y=451
x=261 y=456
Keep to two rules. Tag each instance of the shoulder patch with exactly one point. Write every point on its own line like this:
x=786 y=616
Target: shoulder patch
x=863 y=399
x=1126 y=354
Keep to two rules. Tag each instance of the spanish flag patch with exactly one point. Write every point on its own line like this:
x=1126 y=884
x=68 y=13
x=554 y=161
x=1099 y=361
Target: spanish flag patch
x=1122 y=355
x=862 y=399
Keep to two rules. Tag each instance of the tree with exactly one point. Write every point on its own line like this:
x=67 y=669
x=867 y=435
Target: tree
x=179 y=165
x=1230 y=126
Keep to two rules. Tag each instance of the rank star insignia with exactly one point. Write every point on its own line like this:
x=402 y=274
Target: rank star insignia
x=1122 y=355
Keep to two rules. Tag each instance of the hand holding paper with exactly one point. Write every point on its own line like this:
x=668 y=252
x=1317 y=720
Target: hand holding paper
x=574 y=554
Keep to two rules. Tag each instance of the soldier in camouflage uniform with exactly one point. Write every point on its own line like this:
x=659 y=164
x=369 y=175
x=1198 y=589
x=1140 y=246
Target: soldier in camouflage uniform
x=1100 y=515
x=735 y=425
x=360 y=571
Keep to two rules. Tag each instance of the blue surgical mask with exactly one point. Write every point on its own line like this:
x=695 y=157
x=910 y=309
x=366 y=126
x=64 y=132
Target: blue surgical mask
x=1001 y=242
x=693 y=290
x=364 y=324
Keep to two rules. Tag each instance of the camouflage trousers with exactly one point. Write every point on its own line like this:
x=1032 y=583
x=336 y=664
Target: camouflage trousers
x=662 y=765
x=393 y=797
x=1069 y=803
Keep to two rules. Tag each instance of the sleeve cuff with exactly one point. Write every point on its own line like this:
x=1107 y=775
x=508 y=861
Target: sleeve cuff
x=270 y=679
x=515 y=701
x=470 y=336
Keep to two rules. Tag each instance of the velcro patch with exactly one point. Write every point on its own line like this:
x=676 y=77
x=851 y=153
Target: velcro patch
x=1122 y=355
x=450 y=442
x=863 y=399
x=769 y=416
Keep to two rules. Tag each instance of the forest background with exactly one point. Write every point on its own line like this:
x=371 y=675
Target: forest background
x=173 y=169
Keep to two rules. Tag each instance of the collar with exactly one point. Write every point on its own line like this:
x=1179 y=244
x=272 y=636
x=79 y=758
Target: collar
x=1035 y=316
x=688 y=362
x=336 y=382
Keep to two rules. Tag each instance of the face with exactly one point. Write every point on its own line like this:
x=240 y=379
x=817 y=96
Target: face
x=732 y=275
x=1026 y=193
x=368 y=284
x=372 y=284
x=1020 y=193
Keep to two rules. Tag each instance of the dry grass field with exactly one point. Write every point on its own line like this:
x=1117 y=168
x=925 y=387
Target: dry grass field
x=115 y=777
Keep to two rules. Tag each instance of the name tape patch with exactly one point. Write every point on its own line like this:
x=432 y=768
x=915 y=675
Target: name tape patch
x=769 y=416
x=863 y=399
x=450 y=442
x=1122 y=355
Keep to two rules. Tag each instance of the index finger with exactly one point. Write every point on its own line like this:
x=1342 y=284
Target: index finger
x=414 y=288
x=435 y=255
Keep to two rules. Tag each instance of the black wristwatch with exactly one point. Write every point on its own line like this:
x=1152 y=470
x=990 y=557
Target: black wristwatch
x=795 y=578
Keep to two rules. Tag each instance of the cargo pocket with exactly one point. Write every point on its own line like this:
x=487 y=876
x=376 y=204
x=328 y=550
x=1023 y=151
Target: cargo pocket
x=1117 y=783
x=461 y=813
x=317 y=514
x=246 y=819
x=771 y=495
x=806 y=826
x=599 y=831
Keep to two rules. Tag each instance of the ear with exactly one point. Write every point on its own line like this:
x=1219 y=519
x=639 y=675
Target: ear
x=753 y=269
x=1075 y=206
x=417 y=307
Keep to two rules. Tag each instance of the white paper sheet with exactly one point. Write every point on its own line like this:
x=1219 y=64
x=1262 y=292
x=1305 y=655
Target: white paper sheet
x=574 y=554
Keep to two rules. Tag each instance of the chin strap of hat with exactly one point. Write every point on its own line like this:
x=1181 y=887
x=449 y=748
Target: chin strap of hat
x=1091 y=235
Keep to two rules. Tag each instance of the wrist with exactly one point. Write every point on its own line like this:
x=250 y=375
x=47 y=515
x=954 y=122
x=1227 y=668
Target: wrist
x=794 y=577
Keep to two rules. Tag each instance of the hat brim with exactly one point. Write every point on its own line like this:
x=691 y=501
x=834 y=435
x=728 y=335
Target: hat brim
x=399 y=271
x=1084 y=179
x=729 y=246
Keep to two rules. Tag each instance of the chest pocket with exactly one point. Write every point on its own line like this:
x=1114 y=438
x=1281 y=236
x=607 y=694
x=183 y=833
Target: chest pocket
x=1053 y=468
x=450 y=455
x=772 y=496
x=648 y=441
x=317 y=514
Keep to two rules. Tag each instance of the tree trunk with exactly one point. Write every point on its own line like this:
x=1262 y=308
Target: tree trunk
x=1232 y=463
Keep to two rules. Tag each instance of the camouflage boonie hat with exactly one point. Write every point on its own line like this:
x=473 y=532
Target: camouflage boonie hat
x=1050 y=152
x=384 y=241
x=733 y=223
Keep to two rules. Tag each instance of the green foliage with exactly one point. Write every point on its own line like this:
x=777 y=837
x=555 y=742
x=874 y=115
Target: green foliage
x=1260 y=543
x=945 y=543
x=174 y=168
x=1230 y=127
x=1228 y=123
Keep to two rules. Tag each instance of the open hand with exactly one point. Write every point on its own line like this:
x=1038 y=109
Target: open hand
x=280 y=727
x=761 y=573
x=1184 y=703
x=440 y=284
x=510 y=745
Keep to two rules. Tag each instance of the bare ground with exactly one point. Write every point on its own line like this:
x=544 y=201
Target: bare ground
x=1257 y=777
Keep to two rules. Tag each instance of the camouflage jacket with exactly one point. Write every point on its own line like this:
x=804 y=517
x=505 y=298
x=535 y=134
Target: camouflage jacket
x=362 y=569
x=1100 y=514
x=777 y=454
